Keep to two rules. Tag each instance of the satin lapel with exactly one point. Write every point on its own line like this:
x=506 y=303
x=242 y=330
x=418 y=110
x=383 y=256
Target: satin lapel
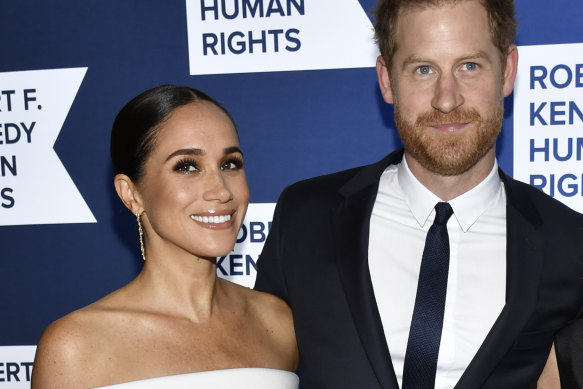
x=524 y=258
x=351 y=231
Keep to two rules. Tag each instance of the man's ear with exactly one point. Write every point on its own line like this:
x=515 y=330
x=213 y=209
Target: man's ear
x=128 y=193
x=384 y=80
x=509 y=74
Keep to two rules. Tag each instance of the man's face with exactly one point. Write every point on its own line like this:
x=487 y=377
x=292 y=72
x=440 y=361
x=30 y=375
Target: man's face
x=447 y=85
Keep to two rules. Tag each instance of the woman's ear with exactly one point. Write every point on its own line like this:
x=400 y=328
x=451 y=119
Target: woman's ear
x=128 y=193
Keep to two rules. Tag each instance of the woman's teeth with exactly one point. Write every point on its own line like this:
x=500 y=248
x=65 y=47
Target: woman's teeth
x=211 y=219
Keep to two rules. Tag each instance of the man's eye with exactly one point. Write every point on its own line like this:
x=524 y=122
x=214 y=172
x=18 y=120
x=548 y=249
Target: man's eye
x=471 y=66
x=424 y=69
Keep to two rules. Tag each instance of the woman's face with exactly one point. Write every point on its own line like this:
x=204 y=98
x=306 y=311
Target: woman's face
x=194 y=191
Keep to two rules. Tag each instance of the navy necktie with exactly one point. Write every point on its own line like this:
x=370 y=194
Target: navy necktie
x=427 y=322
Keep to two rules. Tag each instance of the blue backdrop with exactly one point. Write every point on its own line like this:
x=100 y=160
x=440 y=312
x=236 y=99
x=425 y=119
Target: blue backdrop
x=292 y=124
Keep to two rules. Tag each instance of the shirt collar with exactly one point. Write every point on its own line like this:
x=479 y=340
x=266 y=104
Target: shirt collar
x=467 y=207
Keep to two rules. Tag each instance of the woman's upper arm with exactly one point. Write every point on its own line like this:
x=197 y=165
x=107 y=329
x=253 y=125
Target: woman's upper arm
x=58 y=359
x=549 y=378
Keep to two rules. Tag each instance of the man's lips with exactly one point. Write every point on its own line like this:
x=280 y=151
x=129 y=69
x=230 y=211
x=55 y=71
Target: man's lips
x=449 y=127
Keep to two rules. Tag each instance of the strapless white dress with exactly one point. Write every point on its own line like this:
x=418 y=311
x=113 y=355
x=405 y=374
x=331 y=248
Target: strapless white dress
x=243 y=378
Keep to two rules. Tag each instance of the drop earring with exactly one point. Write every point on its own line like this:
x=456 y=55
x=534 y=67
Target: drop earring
x=141 y=233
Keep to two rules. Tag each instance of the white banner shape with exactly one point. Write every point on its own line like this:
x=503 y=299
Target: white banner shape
x=244 y=36
x=16 y=363
x=548 y=121
x=35 y=188
x=240 y=265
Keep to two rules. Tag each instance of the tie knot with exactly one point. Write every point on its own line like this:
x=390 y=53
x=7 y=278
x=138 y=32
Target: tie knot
x=443 y=212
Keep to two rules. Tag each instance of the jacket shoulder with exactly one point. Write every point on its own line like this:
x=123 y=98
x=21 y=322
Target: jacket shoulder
x=342 y=183
x=325 y=185
x=524 y=197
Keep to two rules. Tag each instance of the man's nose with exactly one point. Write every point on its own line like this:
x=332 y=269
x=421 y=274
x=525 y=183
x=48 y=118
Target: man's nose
x=447 y=95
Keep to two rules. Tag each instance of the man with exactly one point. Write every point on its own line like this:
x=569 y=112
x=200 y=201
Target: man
x=348 y=251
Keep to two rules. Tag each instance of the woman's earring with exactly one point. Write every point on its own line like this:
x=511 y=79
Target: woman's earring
x=141 y=233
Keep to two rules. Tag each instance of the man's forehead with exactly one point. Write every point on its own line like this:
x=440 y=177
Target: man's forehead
x=422 y=5
x=416 y=7
x=442 y=33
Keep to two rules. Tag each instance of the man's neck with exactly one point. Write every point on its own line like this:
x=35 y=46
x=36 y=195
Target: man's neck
x=450 y=187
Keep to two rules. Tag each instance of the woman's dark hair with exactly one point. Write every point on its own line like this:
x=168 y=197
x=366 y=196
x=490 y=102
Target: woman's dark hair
x=135 y=127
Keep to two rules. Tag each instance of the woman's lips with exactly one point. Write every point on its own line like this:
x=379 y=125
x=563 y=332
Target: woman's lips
x=212 y=219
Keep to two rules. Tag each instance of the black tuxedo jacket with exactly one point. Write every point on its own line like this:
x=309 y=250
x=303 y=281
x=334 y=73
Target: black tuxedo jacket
x=315 y=258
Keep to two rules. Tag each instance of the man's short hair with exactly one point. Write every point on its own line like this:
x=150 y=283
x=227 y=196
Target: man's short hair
x=500 y=14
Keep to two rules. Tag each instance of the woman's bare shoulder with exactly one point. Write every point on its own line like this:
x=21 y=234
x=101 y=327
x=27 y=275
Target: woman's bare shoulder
x=271 y=305
x=276 y=319
x=270 y=320
x=264 y=306
x=63 y=351
x=71 y=345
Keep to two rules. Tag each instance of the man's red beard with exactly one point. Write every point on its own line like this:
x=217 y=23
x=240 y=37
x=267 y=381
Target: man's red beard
x=444 y=153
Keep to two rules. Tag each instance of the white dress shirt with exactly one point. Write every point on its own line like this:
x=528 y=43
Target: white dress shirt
x=476 y=287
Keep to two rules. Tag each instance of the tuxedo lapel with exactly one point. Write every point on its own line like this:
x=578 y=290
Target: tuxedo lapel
x=351 y=233
x=524 y=258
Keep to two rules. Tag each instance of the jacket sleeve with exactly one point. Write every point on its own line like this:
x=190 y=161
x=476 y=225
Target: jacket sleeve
x=270 y=265
x=569 y=349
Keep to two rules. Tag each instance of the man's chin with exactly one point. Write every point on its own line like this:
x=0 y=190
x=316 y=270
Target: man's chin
x=447 y=163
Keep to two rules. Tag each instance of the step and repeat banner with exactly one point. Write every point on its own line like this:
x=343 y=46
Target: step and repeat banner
x=298 y=78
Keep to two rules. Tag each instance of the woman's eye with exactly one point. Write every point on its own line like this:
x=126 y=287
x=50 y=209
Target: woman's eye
x=186 y=167
x=232 y=164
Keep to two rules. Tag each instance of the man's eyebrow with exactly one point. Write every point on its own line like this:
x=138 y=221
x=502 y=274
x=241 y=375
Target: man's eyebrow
x=414 y=58
x=474 y=55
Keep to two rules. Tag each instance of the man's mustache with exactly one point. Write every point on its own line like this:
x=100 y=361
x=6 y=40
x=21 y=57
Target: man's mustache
x=435 y=117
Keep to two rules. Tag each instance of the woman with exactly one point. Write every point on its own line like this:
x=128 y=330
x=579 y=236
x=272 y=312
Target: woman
x=179 y=168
